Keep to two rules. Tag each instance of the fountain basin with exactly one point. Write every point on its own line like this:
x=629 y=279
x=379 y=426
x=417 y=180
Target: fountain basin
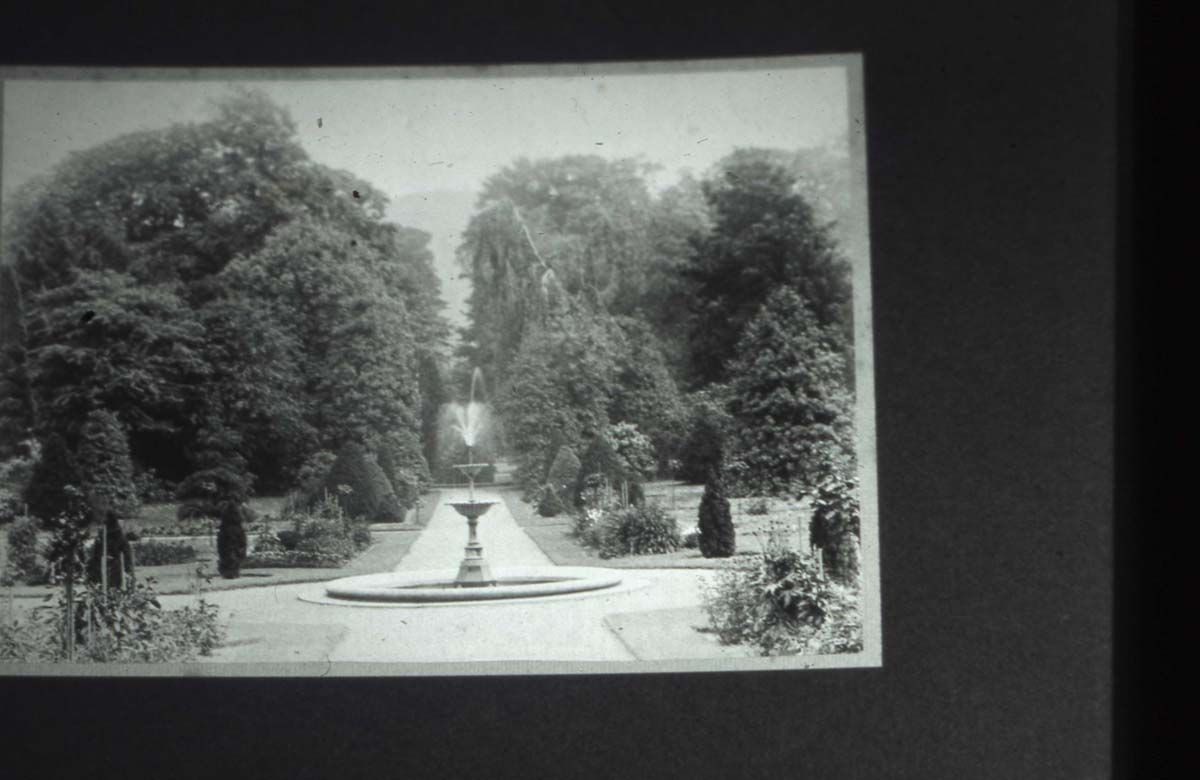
x=472 y=510
x=437 y=587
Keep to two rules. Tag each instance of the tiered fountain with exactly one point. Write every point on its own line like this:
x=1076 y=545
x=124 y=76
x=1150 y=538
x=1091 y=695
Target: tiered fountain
x=475 y=580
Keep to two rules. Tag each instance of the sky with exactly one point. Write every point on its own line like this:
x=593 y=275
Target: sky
x=417 y=133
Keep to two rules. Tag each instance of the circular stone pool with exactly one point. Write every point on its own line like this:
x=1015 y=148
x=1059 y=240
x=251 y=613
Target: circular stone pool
x=437 y=587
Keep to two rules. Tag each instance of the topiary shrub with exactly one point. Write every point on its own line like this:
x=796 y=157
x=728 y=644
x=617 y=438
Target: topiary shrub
x=54 y=471
x=834 y=528
x=361 y=488
x=563 y=472
x=25 y=564
x=637 y=530
x=104 y=463
x=717 y=535
x=549 y=503
x=231 y=543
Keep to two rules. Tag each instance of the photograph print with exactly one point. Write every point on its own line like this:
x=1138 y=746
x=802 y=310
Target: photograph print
x=437 y=371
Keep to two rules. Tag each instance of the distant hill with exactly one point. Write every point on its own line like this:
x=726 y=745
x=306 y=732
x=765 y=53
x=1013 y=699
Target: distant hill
x=444 y=215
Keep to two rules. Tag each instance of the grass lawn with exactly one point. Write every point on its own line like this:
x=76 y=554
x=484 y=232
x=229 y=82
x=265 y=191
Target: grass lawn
x=682 y=501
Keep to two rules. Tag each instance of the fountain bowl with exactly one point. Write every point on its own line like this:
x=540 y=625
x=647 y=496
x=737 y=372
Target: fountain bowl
x=472 y=509
x=436 y=588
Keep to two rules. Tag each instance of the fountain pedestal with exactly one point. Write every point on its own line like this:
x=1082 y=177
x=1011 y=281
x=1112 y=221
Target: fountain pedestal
x=474 y=571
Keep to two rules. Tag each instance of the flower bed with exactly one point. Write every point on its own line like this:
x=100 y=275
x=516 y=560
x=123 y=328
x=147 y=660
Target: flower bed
x=293 y=559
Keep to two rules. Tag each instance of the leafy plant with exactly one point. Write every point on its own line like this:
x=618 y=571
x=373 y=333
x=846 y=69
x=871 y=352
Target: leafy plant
x=780 y=602
x=120 y=626
x=637 y=530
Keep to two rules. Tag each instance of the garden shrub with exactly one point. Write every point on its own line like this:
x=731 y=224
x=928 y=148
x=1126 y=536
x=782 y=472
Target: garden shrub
x=153 y=489
x=599 y=460
x=120 y=626
x=703 y=447
x=369 y=494
x=231 y=543
x=834 y=528
x=104 y=463
x=717 y=535
x=54 y=470
x=759 y=506
x=586 y=524
x=779 y=602
x=310 y=480
x=634 y=451
x=154 y=553
x=637 y=530
x=25 y=563
x=324 y=537
x=549 y=503
x=691 y=539
x=563 y=472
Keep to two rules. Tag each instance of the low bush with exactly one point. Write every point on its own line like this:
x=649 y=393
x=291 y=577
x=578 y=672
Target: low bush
x=637 y=530
x=153 y=489
x=192 y=526
x=781 y=603
x=26 y=564
x=586 y=524
x=691 y=539
x=154 y=553
x=549 y=502
x=759 y=506
x=120 y=626
x=323 y=537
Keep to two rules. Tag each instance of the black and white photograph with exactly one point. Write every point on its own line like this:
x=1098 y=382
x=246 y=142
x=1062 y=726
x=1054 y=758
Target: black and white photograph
x=516 y=369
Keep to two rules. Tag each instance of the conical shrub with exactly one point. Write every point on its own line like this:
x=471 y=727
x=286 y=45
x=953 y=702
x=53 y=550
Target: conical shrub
x=717 y=536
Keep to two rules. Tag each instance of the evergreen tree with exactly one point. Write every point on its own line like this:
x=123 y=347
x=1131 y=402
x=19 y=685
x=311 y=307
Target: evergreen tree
x=46 y=493
x=717 y=535
x=789 y=398
x=104 y=464
x=765 y=235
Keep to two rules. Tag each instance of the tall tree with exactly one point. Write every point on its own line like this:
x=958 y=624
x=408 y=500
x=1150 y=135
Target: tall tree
x=789 y=399
x=764 y=236
x=133 y=239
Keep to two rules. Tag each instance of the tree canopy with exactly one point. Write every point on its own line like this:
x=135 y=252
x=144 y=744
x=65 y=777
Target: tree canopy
x=212 y=271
